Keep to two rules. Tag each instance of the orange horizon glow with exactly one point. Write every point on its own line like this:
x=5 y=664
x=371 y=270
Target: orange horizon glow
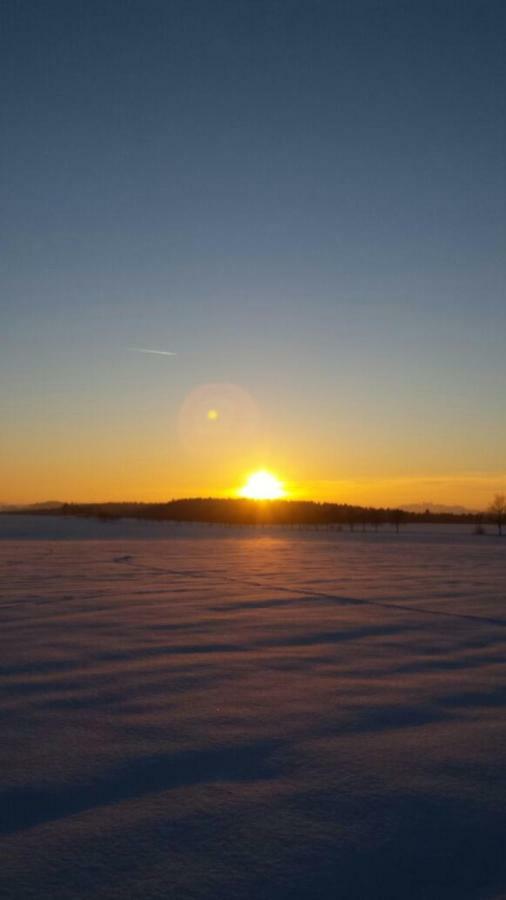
x=106 y=472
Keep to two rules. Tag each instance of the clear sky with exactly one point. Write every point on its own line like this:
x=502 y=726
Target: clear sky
x=304 y=201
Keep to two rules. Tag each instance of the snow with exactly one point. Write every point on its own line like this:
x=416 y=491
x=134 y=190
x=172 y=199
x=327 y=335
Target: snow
x=219 y=713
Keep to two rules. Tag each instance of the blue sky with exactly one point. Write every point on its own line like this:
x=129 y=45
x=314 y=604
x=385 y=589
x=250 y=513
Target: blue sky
x=306 y=200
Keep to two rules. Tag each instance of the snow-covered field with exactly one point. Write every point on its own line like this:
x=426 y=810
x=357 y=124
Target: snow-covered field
x=209 y=713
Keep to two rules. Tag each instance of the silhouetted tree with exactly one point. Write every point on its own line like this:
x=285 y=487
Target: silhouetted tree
x=478 y=527
x=397 y=517
x=376 y=518
x=497 y=510
x=351 y=518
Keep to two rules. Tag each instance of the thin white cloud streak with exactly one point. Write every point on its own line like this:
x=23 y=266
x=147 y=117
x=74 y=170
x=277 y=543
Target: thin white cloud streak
x=155 y=352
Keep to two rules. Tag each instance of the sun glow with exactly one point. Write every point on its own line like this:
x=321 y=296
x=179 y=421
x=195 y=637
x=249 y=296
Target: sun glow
x=262 y=485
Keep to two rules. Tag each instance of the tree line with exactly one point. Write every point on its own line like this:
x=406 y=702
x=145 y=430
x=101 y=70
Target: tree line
x=273 y=512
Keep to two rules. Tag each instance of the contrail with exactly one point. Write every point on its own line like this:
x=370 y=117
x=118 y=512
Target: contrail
x=156 y=352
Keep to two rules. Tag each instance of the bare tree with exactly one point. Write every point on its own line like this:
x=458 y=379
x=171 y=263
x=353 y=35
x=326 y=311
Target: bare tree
x=497 y=510
x=397 y=517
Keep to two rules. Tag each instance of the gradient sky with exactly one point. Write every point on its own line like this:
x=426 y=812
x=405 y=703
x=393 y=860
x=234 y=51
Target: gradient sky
x=305 y=201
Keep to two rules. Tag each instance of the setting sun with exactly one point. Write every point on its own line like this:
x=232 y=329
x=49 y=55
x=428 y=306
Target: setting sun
x=262 y=485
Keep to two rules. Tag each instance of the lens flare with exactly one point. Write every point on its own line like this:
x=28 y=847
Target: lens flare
x=219 y=422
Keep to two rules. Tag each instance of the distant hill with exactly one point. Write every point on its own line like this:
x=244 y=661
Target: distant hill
x=240 y=511
x=46 y=504
x=234 y=511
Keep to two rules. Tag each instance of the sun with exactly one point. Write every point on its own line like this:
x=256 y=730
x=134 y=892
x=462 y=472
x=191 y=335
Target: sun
x=262 y=485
